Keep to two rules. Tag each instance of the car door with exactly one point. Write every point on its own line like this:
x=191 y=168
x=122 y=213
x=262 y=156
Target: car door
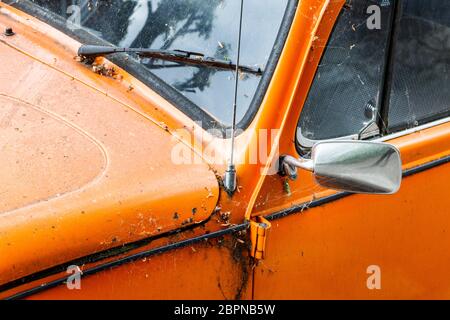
x=385 y=80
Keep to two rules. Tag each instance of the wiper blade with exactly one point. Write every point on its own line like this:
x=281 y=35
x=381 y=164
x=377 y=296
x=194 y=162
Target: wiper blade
x=180 y=56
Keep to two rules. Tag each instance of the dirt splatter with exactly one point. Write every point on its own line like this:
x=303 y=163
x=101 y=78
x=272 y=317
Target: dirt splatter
x=187 y=221
x=104 y=69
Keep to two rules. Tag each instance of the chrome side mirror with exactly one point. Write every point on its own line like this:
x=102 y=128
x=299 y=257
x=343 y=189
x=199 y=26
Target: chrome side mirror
x=354 y=166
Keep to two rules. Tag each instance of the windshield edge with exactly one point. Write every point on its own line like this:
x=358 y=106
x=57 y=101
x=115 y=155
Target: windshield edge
x=177 y=99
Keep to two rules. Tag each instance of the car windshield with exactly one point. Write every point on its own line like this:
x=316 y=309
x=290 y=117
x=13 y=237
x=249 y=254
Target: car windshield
x=206 y=26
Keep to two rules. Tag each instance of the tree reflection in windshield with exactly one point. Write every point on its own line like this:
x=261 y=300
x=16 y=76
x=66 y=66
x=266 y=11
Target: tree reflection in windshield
x=207 y=26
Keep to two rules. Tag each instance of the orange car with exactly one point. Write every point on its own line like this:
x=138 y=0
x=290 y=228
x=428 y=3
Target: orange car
x=224 y=149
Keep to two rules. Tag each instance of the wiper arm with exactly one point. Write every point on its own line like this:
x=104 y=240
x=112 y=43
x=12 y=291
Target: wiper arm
x=180 y=56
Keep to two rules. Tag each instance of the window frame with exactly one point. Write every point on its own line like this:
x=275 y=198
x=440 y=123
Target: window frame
x=304 y=145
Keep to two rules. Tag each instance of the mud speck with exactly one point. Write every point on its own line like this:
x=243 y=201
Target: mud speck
x=187 y=221
x=164 y=126
x=104 y=69
x=78 y=59
x=225 y=216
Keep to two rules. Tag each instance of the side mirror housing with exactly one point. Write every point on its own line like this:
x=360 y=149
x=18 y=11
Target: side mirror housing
x=354 y=166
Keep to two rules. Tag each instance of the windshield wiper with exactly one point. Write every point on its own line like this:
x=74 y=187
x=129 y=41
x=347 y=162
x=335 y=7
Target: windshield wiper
x=180 y=56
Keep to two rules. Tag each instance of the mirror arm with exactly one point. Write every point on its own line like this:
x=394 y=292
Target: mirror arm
x=288 y=166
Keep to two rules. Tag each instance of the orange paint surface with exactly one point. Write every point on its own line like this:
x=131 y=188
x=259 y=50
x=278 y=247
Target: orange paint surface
x=92 y=154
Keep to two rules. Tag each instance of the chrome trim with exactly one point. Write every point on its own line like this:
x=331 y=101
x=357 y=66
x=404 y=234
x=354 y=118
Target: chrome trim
x=304 y=142
x=413 y=130
x=369 y=167
x=358 y=166
x=289 y=166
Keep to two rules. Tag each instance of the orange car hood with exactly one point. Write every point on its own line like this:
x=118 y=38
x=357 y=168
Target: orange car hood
x=81 y=172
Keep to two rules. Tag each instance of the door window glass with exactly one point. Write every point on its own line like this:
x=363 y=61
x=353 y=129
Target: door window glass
x=345 y=94
x=421 y=73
